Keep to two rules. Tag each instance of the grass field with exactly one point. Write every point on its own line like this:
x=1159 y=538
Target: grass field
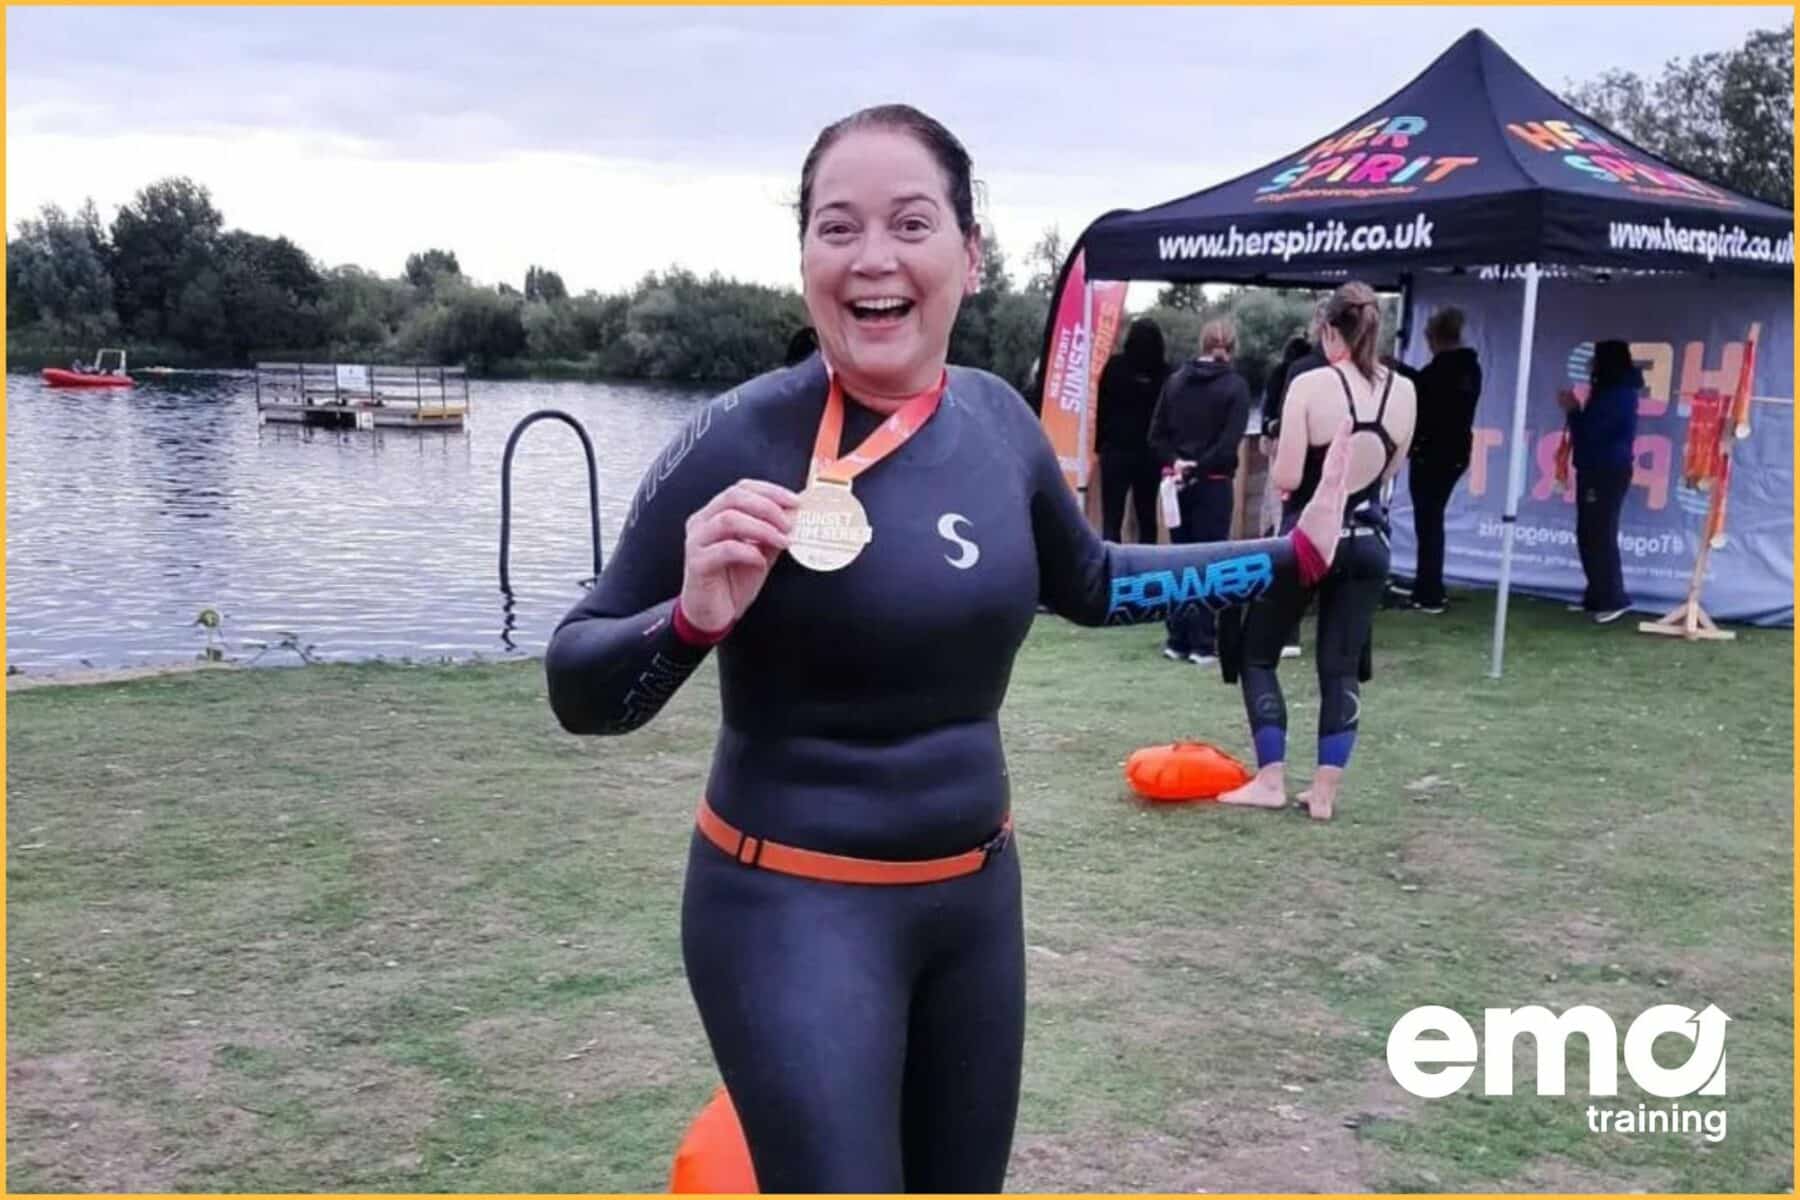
x=368 y=928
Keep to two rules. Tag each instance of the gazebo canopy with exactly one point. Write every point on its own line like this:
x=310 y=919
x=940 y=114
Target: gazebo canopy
x=1472 y=163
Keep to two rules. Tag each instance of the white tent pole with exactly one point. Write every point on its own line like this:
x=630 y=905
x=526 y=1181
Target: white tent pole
x=1515 y=474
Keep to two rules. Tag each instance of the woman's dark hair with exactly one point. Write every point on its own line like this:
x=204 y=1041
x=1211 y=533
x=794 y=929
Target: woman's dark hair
x=1145 y=349
x=1356 y=314
x=942 y=145
x=1445 y=327
x=1613 y=364
x=801 y=346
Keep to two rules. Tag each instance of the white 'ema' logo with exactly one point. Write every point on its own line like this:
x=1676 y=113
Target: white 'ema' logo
x=1439 y=1037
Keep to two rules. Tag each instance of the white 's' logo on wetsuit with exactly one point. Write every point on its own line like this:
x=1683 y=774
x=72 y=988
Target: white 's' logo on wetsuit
x=971 y=553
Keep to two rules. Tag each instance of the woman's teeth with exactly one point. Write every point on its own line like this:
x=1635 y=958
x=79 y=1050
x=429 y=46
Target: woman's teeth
x=872 y=310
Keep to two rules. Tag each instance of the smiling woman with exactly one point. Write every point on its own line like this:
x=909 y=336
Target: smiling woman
x=851 y=923
x=888 y=248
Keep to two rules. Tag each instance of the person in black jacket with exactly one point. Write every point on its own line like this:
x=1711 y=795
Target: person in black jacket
x=1129 y=386
x=1300 y=356
x=1195 y=431
x=1449 y=387
x=1275 y=387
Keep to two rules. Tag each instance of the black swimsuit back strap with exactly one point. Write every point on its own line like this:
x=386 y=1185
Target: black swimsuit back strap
x=1349 y=397
x=1378 y=426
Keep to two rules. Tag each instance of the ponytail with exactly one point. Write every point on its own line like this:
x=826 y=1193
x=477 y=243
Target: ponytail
x=1355 y=313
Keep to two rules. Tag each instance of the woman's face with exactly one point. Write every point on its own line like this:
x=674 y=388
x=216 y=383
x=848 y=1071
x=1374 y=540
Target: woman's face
x=883 y=263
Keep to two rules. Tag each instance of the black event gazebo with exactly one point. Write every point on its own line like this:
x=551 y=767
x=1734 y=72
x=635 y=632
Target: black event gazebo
x=1474 y=163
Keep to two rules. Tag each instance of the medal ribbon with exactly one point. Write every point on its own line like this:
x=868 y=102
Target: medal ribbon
x=893 y=433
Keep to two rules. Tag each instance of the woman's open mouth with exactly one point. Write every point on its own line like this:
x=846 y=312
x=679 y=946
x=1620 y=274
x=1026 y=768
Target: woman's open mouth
x=885 y=311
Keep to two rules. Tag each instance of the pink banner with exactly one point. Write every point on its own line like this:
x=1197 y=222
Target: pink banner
x=1108 y=300
x=1072 y=374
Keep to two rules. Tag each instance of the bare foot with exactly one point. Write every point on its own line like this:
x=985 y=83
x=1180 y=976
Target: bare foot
x=1268 y=789
x=1323 y=517
x=1321 y=797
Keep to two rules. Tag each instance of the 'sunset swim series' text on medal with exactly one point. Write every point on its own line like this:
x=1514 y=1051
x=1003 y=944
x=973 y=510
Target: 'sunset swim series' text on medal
x=830 y=527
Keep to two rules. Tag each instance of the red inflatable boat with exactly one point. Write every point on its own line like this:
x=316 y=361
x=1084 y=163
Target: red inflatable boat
x=108 y=370
x=60 y=377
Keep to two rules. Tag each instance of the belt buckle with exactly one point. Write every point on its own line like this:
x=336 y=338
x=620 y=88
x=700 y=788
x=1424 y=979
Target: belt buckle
x=991 y=848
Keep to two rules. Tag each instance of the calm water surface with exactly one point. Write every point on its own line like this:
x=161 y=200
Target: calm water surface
x=127 y=512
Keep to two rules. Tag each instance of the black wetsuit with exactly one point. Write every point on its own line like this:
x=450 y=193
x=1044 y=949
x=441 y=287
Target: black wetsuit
x=870 y=1035
x=1348 y=596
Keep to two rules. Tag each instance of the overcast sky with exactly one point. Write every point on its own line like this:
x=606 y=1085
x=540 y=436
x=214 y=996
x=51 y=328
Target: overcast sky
x=605 y=142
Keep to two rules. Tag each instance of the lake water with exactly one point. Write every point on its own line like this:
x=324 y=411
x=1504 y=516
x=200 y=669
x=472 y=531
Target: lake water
x=129 y=511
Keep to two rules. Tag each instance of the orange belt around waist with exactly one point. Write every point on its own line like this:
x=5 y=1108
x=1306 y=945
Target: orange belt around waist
x=839 y=868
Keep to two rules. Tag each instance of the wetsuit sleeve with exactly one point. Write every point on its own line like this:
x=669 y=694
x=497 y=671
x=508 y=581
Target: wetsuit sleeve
x=616 y=658
x=1093 y=582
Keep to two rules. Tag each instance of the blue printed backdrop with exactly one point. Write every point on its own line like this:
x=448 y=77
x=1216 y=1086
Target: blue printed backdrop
x=1688 y=335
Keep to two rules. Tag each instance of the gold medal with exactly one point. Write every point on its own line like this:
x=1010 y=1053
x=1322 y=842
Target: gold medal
x=830 y=527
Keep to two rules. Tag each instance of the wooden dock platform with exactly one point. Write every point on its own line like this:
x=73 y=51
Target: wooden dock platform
x=362 y=396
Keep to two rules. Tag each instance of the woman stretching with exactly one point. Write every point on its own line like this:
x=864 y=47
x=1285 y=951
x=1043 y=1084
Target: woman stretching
x=1382 y=408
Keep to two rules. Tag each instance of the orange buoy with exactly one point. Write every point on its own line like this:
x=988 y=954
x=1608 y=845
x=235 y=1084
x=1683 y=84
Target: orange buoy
x=1184 y=771
x=714 y=1157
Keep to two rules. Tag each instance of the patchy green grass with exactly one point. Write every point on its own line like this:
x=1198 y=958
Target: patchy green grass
x=376 y=928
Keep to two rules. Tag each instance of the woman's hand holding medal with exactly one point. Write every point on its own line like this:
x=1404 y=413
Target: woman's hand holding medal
x=731 y=545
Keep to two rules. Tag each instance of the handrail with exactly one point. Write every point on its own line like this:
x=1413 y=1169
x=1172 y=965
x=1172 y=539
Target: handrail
x=512 y=443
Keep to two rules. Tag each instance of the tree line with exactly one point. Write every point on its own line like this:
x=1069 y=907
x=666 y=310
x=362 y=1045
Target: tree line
x=168 y=279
